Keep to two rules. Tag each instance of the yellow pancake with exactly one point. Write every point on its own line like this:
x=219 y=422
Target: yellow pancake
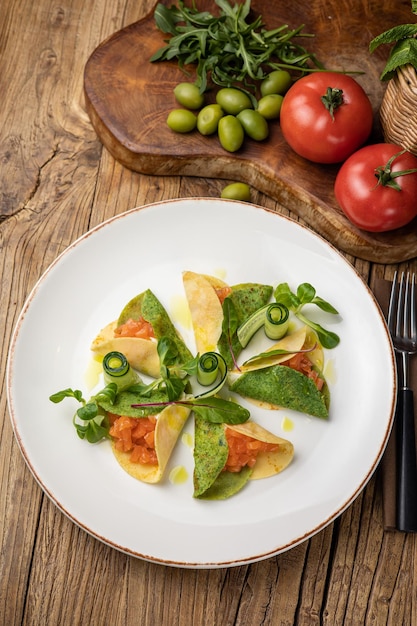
x=205 y=309
x=142 y=354
x=169 y=425
x=267 y=463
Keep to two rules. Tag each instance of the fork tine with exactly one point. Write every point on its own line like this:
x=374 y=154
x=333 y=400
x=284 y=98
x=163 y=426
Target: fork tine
x=392 y=309
x=402 y=321
x=413 y=313
x=408 y=328
x=404 y=307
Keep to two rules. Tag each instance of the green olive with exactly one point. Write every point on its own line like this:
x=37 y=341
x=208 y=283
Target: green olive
x=270 y=106
x=254 y=125
x=208 y=119
x=278 y=81
x=236 y=191
x=231 y=133
x=188 y=95
x=181 y=120
x=233 y=100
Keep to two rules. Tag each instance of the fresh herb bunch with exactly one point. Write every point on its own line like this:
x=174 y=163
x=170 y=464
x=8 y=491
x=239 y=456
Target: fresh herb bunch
x=404 y=51
x=228 y=49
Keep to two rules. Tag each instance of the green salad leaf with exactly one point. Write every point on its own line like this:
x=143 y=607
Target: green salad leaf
x=90 y=421
x=306 y=294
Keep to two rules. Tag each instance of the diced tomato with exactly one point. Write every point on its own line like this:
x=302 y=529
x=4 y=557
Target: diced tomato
x=244 y=450
x=223 y=292
x=135 y=435
x=135 y=328
x=302 y=363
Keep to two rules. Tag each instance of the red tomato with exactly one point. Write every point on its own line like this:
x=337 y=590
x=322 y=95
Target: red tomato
x=372 y=205
x=309 y=127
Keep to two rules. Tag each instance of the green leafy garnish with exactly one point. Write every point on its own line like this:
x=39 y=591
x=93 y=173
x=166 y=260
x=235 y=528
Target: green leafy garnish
x=173 y=379
x=90 y=421
x=219 y=411
x=230 y=325
x=67 y=393
x=215 y=410
x=306 y=294
x=229 y=49
x=404 y=52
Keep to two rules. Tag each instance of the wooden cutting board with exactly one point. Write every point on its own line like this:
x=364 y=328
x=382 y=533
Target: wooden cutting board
x=128 y=100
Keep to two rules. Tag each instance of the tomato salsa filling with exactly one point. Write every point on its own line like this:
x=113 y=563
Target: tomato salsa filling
x=135 y=328
x=302 y=364
x=135 y=435
x=223 y=292
x=244 y=450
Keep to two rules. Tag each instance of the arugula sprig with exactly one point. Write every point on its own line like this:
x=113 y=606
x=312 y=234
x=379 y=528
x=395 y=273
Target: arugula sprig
x=90 y=421
x=229 y=49
x=306 y=294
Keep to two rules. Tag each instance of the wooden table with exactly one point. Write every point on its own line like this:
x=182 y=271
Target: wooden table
x=57 y=182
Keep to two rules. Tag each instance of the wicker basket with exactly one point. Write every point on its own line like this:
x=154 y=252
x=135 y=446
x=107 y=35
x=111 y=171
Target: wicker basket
x=399 y=109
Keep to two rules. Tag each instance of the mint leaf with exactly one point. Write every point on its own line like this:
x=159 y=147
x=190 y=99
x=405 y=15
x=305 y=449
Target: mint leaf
x=403 y=53
x=403 y=31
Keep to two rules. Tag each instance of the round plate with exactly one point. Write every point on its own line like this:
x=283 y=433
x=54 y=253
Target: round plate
x=150 y=247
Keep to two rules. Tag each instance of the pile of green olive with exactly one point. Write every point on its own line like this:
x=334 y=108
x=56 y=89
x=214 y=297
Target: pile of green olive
x=233 y=116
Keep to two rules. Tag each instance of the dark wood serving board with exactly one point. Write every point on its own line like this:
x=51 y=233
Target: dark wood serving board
x=128 y=100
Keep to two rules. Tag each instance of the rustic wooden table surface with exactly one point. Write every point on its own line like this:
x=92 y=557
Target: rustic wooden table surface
x=56 y=183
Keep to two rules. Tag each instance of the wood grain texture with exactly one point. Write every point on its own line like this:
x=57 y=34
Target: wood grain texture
x=128 y=100
x=56 y=183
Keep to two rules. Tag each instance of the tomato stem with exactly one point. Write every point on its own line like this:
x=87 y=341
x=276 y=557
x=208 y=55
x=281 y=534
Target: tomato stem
x=332 y=100
x=386 y=177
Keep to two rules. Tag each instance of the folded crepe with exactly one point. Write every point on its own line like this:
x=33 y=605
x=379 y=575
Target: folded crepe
x=270 y=381
x=141 y=353
x=169 y=424
x=211 y=453
x=207 y=297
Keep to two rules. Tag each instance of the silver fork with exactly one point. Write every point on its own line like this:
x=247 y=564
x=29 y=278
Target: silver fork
x=402 y=324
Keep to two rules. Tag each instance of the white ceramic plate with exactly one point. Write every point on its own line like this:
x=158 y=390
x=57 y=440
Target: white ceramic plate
x=149 y=247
